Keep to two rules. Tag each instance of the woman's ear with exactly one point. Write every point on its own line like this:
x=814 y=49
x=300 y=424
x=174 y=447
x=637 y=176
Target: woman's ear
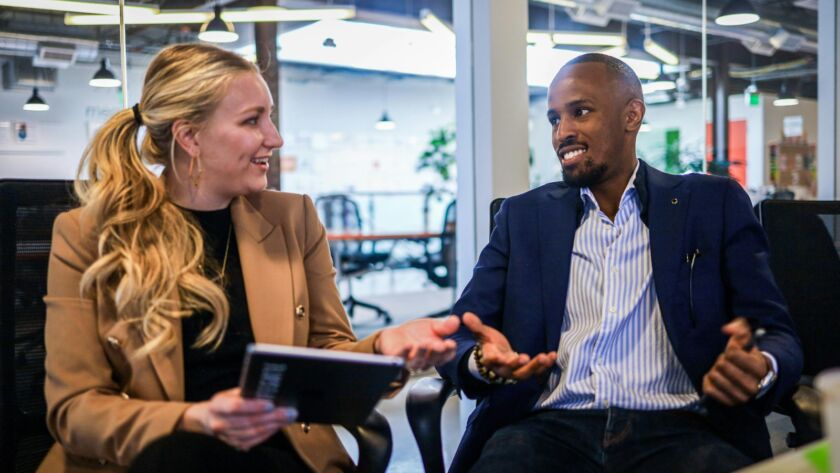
x=634 y=113
x=185 y=135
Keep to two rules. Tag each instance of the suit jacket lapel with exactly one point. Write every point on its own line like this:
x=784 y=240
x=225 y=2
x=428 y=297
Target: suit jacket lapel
x=267 y=272
x=667 y=210
x=169 y=365
x=558 y=220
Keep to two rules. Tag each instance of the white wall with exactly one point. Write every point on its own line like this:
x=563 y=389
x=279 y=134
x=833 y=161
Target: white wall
x=57 y=137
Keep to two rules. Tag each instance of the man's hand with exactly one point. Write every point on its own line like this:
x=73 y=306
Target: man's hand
x=500 y=358
x=421 y=342
x=239 y=422
x=734 y=378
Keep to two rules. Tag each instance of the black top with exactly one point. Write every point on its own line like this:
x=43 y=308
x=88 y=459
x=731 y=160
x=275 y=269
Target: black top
x=208 y=371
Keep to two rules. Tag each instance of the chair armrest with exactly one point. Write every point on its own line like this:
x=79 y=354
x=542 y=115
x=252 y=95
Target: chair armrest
x=803 y=408
x=375 y=443
x=424 y=405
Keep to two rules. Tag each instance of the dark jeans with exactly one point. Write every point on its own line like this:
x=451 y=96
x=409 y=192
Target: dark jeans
x=610 y=440
x=186 y=451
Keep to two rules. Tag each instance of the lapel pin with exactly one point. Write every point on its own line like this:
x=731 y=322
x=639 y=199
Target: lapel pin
x=674 y=201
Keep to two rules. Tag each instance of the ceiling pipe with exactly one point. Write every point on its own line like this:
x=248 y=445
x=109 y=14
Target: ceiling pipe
x=687 y=22
x=769 y=69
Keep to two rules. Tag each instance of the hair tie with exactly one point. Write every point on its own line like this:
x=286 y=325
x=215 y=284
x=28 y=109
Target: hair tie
x=137 y=118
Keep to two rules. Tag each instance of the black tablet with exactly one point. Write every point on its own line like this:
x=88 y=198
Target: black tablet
x=326 y=386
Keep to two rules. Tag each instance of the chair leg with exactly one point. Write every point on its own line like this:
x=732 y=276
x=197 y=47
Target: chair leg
x=352 y=302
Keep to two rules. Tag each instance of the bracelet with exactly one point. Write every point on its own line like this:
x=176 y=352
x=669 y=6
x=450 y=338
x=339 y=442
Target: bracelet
x=487 y=374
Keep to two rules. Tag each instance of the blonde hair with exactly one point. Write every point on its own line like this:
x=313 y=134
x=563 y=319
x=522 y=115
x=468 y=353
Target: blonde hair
x=149 y=252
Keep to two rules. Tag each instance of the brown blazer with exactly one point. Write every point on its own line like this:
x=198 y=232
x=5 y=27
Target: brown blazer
x=103 y=406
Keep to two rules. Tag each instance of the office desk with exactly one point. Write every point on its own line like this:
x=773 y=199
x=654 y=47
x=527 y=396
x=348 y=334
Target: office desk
x=416 y=236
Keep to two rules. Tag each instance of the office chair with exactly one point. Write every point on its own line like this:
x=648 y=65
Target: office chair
x=804 y=238
x=438 y=260
x=426 y=398
x=27 y=211
x=352 y=259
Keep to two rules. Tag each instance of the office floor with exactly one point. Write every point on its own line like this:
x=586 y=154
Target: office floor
x=406 y=295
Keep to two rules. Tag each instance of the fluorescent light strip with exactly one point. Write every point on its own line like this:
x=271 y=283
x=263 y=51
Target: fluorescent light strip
x=250 y=15
x=182 y=17
x=588 y=39
x=434 y=24
x=540 y=39
x=657 y=51
x=661 y=85
x=78 y=7
x=785 y=102
x=269 y=13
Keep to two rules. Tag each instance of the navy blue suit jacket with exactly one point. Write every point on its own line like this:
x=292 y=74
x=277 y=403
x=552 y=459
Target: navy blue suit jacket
x=520 y=282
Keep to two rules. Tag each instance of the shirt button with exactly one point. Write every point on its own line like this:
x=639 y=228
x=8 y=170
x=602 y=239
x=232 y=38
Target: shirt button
x=300 y=312
x=612 y=309
x=615 y=270
x=606 y=404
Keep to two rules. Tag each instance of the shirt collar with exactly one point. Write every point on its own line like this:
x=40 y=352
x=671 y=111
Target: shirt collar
x=636 y=180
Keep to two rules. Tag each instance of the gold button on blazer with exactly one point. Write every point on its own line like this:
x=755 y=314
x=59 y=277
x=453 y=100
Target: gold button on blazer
x=104 y=406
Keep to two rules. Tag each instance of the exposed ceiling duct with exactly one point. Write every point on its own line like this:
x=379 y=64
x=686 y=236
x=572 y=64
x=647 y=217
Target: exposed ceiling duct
x=19 y=73
x=49 y=51
x=756 y=39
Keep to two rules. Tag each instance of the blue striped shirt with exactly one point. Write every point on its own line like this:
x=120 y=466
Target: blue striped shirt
x=614 y=350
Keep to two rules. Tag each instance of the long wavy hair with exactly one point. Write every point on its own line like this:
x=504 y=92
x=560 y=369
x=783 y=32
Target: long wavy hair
x=149 y=252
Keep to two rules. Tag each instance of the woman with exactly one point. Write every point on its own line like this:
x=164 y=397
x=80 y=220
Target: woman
x=156 y=285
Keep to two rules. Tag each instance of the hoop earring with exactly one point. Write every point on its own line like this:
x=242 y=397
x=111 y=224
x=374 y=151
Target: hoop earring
x=195 y=165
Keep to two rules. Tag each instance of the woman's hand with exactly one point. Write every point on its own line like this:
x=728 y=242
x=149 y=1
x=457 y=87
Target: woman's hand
x=499 y=357
x=421 y=342
x=239 y=422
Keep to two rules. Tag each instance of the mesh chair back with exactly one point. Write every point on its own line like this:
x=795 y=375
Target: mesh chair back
x=27 y=211
x=804 y=240
x=340 y=214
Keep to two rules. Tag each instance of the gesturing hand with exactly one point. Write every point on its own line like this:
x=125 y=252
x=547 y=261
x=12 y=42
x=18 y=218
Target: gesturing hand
x=239 y=422
x=500 y=358
x=421 y=342
x=735 y=375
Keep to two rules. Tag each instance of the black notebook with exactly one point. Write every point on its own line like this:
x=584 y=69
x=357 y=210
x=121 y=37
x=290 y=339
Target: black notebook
x=326 y=386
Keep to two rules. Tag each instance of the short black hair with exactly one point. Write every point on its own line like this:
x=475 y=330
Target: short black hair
x=621 y=71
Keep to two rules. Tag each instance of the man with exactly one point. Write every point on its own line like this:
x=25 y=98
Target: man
x=616 y=310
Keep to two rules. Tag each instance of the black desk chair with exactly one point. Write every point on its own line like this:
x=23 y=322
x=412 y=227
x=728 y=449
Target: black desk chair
x=27 y=211
x=438 y=260
x=426 y=398
x=353 y=259
x=804 y=240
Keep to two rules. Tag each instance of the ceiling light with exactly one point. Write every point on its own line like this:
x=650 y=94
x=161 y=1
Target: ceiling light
x=273 y=13
x=616 y=51
x=645 y=127
x=658 y=51
x=36 y=103
x=736 y=13
x=104 y=77
x=79 y=7
x=168 y=18
x=217 y=30
x=434 y=24
x=657 y=86
x=385 y=123
x=785 y=97
x=248 y=15
x=588 y=39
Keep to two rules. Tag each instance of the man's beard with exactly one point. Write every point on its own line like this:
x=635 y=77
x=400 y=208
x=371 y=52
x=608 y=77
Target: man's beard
x=588 y=176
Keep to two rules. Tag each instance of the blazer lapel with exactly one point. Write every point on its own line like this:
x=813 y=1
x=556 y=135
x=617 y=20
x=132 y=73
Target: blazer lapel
x=558 y=220
x=267 y=272
x=169 y=365
x=668 y=209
